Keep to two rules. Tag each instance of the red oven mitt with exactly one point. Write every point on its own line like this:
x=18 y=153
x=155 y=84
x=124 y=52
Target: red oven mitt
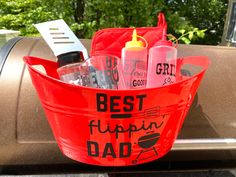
x=112 y=40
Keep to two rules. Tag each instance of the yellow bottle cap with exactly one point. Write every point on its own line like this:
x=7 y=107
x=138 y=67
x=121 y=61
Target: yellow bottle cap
x=134 y=43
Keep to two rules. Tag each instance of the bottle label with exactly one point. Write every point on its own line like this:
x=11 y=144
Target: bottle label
x=166 y=73
x=139 y=75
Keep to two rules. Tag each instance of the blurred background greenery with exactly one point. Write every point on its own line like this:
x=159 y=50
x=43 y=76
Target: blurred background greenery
x=195 y=21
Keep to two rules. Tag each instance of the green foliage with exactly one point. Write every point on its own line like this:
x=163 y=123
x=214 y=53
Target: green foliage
x=187 y=19
x=100 y=14
x=21 y=14
x=193 y=16
x=187 y=37
x=202 y=14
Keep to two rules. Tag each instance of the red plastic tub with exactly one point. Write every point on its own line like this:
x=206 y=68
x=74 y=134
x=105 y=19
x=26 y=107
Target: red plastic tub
x=114 y=127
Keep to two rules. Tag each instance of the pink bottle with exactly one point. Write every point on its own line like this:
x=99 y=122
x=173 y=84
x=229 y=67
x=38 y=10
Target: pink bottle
x=134 y=63
x=162 y=63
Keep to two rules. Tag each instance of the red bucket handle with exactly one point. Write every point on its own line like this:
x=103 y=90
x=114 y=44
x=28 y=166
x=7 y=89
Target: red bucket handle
x=202 y=61
x=49 y=66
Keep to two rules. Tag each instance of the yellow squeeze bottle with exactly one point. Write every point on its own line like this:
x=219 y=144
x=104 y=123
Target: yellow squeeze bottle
x=134 y=62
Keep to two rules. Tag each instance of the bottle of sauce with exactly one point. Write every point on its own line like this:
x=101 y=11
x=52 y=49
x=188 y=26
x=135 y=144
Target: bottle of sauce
x=162 y=63
x=134 y=63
